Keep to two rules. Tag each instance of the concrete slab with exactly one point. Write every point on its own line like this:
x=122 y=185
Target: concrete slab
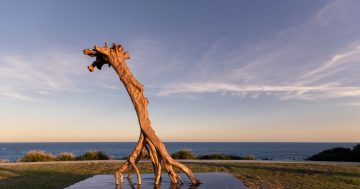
x=217 y=180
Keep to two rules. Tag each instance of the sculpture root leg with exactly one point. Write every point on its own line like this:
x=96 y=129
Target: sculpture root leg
x=158 y=156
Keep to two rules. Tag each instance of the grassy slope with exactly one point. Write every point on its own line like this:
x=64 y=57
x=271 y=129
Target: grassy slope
x=255 y=175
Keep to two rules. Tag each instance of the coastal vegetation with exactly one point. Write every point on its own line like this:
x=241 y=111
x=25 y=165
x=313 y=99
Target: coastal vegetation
x=334 y=154
x=187 y=154
x=338 y=154
x=58 y=175
x=39 y=155
x=183 y=154
x=94 y=155
x=66 y=156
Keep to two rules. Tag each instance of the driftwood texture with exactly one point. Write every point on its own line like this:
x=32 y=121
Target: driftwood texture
x=115 y=57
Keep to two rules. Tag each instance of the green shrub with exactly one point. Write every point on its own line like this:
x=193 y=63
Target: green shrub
x=183 y=154
x=356 y=153
x=338 y=154
x=334 y=154
x=219 y=156
x=214 y=156
x=187 y=154
x=94 y=155
x=37 y=155
x=66 y=156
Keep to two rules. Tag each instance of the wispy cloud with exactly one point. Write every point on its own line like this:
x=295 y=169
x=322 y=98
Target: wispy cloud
x=19 y=96
x=316 y=59
x=337 y=62
x=313 y=60
x=284 y=92
x=41 y=73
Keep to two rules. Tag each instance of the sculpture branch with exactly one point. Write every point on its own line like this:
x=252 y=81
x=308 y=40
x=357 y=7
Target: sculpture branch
x=116 y=58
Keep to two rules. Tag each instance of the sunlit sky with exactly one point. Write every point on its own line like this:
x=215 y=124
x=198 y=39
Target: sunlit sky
x=212 y=70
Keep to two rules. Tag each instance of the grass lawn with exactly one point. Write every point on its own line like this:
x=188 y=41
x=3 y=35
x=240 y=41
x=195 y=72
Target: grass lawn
x=254 y=175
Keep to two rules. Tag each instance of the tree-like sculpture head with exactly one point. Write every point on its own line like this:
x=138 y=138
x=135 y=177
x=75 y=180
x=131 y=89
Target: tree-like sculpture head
x=113 y=56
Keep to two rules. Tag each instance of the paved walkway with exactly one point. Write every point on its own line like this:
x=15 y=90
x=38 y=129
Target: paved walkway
x=190 y=161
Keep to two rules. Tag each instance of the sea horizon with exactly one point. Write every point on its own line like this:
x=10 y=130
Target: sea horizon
x=13 y=151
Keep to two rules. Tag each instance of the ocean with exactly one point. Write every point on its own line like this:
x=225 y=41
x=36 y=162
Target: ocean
x=261 y=150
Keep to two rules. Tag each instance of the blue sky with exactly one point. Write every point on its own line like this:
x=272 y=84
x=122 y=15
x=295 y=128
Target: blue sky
x=212 y=70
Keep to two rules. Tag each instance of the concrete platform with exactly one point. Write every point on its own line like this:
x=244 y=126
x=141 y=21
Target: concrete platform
x=216 y=180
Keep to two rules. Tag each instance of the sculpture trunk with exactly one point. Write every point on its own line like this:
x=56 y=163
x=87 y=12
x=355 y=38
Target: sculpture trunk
x=148 y=140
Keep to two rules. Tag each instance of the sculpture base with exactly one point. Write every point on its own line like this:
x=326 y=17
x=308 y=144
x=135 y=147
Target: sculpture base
x=209 y=181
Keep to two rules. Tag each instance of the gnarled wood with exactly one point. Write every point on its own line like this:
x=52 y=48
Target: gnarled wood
x=116 y=58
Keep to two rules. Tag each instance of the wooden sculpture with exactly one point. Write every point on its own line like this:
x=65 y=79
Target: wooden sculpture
x=159 y=156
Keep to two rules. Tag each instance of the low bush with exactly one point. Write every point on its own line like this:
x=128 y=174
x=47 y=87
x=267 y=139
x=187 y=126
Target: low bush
x=34 y=156
x=37 y=155
x=356 y=153
x=66 y=156
x=94 y=155
x=219 y=156
x=338 y=154
x=183 y=154
x=214 y=156
x=187 y=154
